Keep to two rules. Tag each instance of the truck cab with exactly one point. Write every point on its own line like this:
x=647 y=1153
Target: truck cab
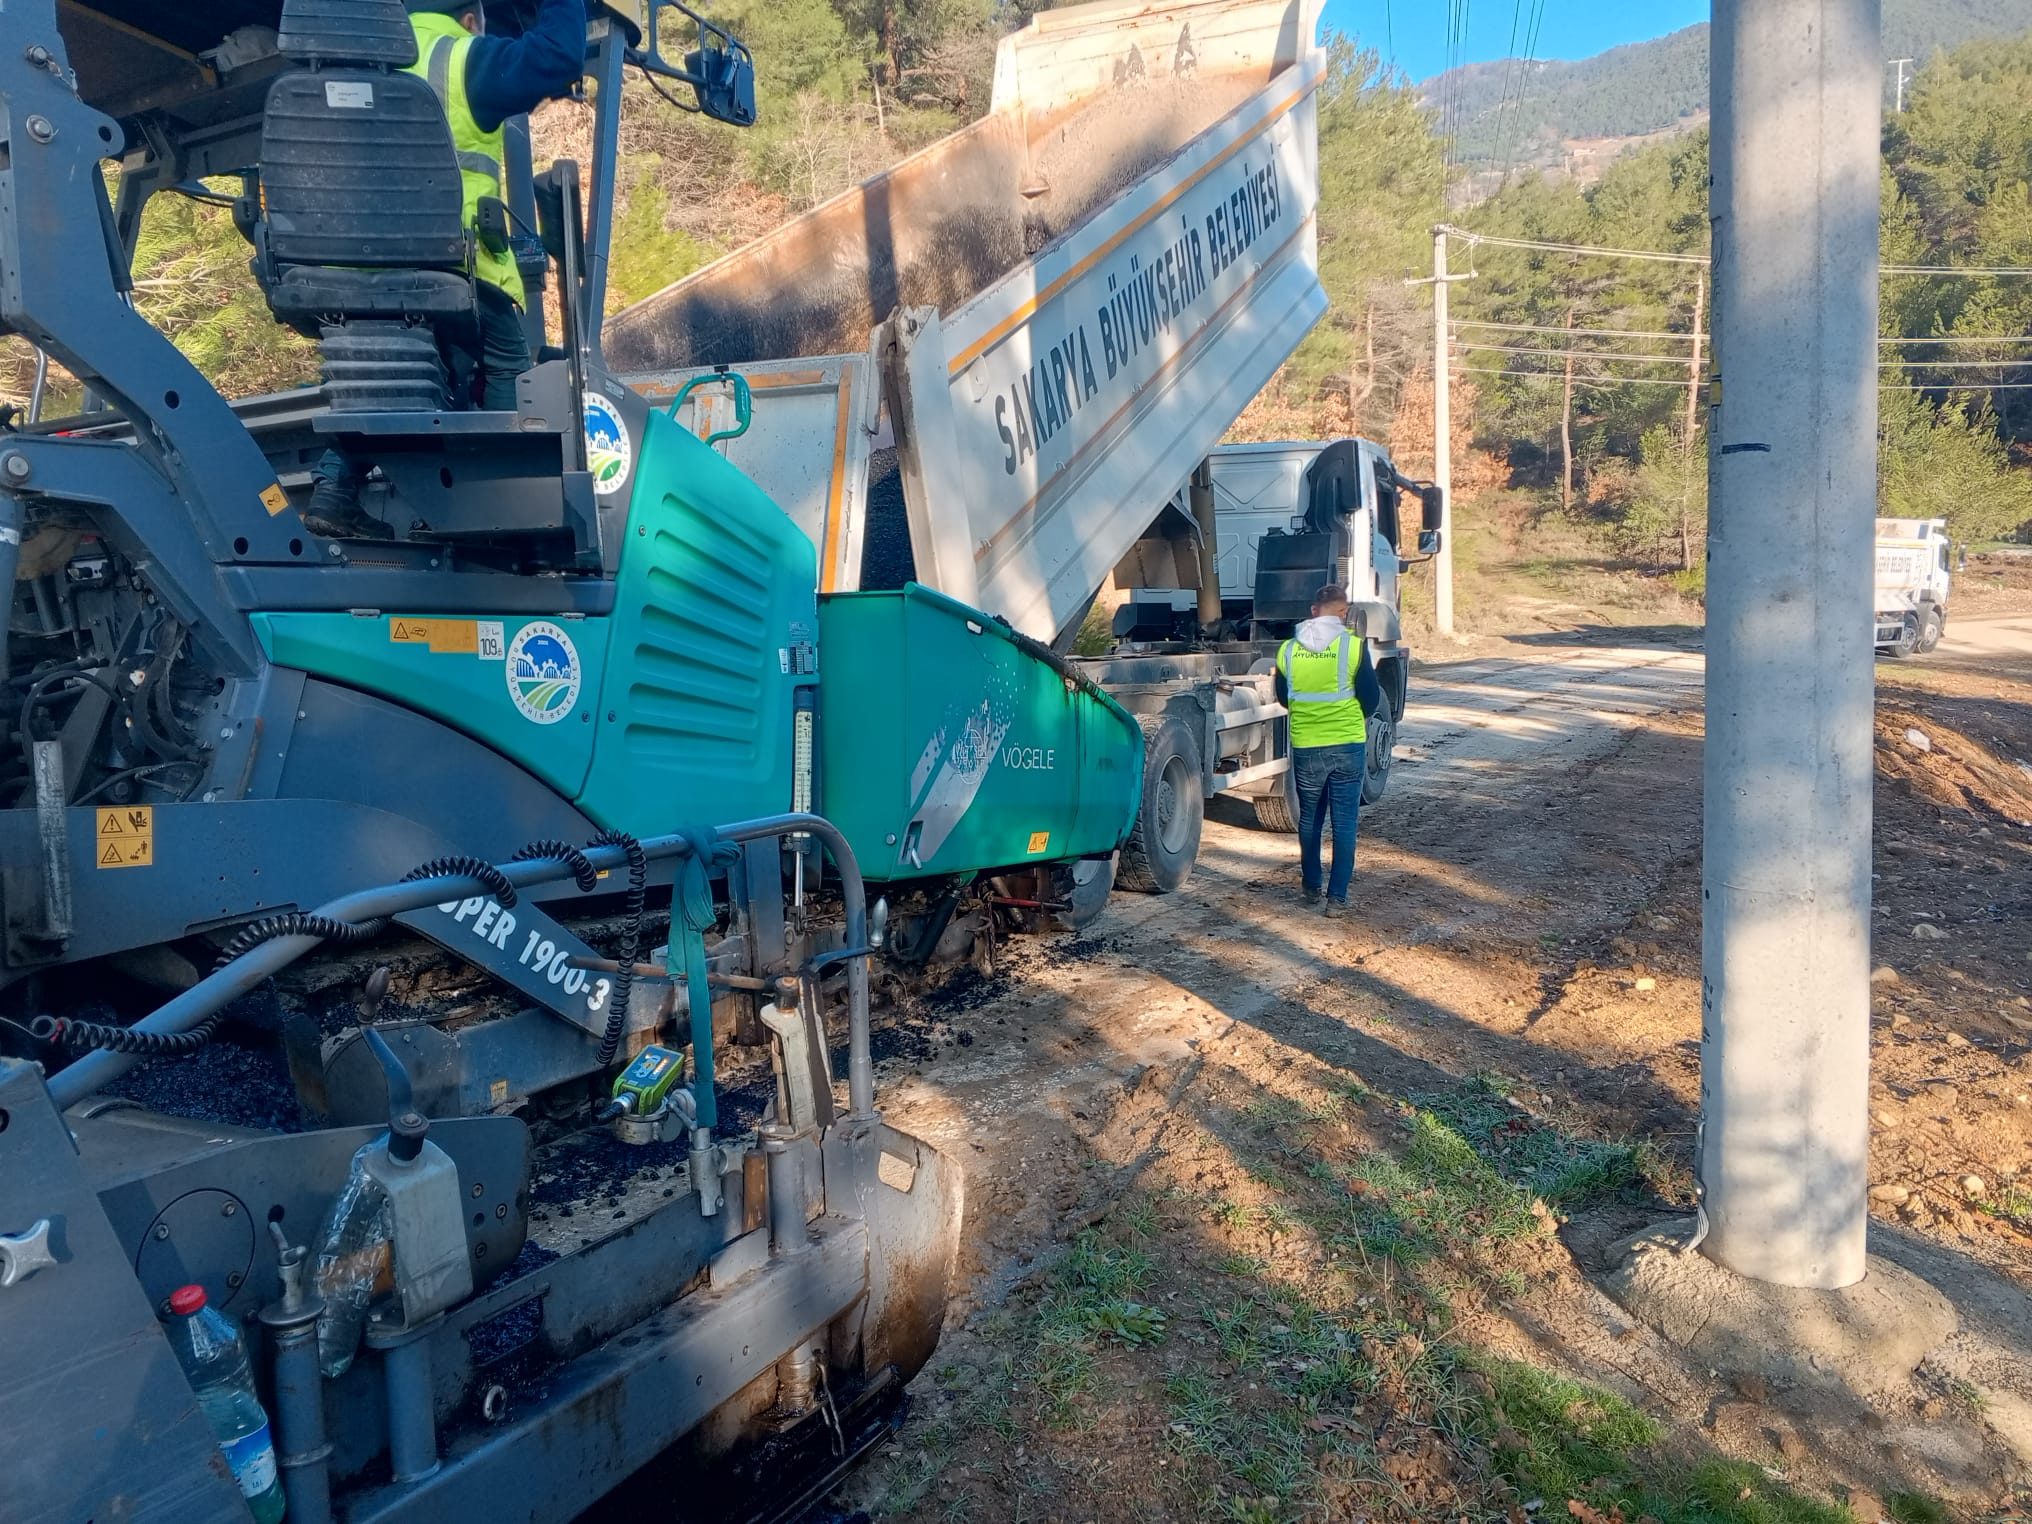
x=1914 y=575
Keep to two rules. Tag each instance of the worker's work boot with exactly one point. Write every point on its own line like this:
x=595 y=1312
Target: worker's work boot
x=334 y=513
x=1333 y=910
x=1313 y=897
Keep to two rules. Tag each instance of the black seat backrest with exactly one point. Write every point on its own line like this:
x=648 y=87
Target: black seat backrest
x=1290 y=568
x=357 y=164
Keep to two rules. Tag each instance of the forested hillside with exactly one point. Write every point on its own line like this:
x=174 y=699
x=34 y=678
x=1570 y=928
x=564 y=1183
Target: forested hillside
x=849 y=86
x=1516 y=112
x=1957 y=187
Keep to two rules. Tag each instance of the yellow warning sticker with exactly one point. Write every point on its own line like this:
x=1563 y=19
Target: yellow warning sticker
x=1039 y=840
x=456 y=637
x=126 y=837
x=274 y=499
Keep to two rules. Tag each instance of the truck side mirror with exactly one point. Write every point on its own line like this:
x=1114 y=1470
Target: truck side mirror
x=726 y=83
x=1428 y=542
x=1435 y=513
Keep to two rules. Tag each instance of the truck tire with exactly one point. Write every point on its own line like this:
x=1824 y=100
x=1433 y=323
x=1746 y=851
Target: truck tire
x=1907 y=641
x=1377 y=757
x=1158 y=856
x=1278 y=811
x=1931 y=628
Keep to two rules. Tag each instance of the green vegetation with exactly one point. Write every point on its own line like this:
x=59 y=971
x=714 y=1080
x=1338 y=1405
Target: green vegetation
x=1627 y=458
x=1651 y=86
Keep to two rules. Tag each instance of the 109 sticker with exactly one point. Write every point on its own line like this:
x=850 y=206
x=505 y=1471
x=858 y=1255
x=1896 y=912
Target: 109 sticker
x=543 y=672
x=609 y=452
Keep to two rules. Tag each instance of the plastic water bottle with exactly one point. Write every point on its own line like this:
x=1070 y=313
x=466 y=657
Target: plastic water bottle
x=356 y=1258
x=214 y=1356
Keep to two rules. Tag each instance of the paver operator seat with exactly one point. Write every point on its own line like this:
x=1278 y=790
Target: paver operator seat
x=359 y=235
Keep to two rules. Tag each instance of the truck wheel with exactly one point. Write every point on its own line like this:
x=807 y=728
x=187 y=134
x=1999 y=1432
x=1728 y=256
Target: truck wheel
x=1377 y=757
x=1907 y=641
x=1930 y=631
x=1158 y=856
x=1279 y=811
x=1083 y=888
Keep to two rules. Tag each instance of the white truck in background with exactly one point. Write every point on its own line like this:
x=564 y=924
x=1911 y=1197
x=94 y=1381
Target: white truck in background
x=1914 y=575
x=1003 y=368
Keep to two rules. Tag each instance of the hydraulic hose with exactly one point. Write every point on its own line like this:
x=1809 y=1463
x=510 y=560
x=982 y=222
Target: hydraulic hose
x=195 y=1006
x=631 y=938
x=10 y=558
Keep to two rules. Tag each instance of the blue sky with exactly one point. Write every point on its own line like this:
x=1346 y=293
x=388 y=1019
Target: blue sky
x=1568 y=28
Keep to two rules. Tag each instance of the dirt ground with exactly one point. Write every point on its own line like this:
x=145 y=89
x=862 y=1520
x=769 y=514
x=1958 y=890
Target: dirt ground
x=1275 y=1217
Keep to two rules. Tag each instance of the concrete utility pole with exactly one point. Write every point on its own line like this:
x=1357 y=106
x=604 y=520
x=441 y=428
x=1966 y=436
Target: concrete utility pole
x=1442 y=440
x=1901 y=65
x=1798 y=105
x=1442 y=430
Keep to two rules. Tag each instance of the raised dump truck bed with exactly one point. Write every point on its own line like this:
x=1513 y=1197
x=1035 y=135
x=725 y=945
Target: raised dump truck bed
x=1052 y=315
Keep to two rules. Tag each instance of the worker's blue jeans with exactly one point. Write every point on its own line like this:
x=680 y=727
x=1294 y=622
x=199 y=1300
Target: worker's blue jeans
x=1329 y=780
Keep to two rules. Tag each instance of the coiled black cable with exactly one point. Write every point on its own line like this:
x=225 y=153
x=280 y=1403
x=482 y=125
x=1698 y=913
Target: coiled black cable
x=631 y=938
x=295 y=923
x=583 y=873
x=79 y=1036
x=458 y=864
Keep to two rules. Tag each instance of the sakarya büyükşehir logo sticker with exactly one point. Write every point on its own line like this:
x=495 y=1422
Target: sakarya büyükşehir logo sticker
x=543 y=672
x=608 y=448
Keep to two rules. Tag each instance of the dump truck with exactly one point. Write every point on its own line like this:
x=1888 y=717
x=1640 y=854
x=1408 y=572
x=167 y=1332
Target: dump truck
x=436 y=943
x=1003 y=369
x=1915 y=572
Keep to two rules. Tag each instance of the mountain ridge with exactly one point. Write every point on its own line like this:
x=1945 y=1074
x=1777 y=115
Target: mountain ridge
x=1659 y=85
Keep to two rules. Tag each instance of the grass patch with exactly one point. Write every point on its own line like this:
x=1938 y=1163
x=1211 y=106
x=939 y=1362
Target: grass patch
x=2013 y=1203
x=1091 y=1296
x=1440 y=1194
x=1561 y=1439
x=1565 y=1171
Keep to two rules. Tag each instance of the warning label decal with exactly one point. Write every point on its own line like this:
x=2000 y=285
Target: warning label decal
x=446 y=637
x=126 y=837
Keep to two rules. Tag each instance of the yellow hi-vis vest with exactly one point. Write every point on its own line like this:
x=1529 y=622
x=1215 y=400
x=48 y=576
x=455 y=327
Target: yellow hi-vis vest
x=1324 y=709
x=441 y=49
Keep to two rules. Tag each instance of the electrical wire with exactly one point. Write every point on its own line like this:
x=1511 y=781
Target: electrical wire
x=1579 y=380
x=1882 y=386
x=1663 y=256
x=1603 y=333
x=1577 y=354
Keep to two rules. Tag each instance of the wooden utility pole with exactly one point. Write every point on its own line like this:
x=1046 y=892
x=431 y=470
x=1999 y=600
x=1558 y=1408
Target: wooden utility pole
x=1566 y=424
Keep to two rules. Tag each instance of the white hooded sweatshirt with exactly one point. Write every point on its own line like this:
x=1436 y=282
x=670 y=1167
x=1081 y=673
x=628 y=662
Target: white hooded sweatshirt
x=1318 y=633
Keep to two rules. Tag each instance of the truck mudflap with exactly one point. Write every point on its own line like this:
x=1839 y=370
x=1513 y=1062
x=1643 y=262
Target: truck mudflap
x=949 y=743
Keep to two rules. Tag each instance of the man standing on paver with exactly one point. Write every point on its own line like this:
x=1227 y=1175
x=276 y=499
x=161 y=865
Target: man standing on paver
x=1325 y=678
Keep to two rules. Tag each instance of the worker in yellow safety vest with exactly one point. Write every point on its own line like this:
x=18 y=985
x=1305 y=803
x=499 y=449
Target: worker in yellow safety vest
x=481 y=82
x=1326 y=680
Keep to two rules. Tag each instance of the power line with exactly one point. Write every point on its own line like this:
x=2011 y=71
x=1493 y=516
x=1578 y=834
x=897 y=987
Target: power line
x=1558 y=376
x=1544 y=375
x=1894 y=363
x=1607 y=333
x=1503 y=100
x=1575 y=354
x=1702 y=259
x=1954 y=270
x=1665 y=333
x=1967 y=338
x=1576 y=248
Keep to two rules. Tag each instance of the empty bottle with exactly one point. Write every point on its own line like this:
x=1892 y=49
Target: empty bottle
x=355 y=1262
x=214 y=1356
